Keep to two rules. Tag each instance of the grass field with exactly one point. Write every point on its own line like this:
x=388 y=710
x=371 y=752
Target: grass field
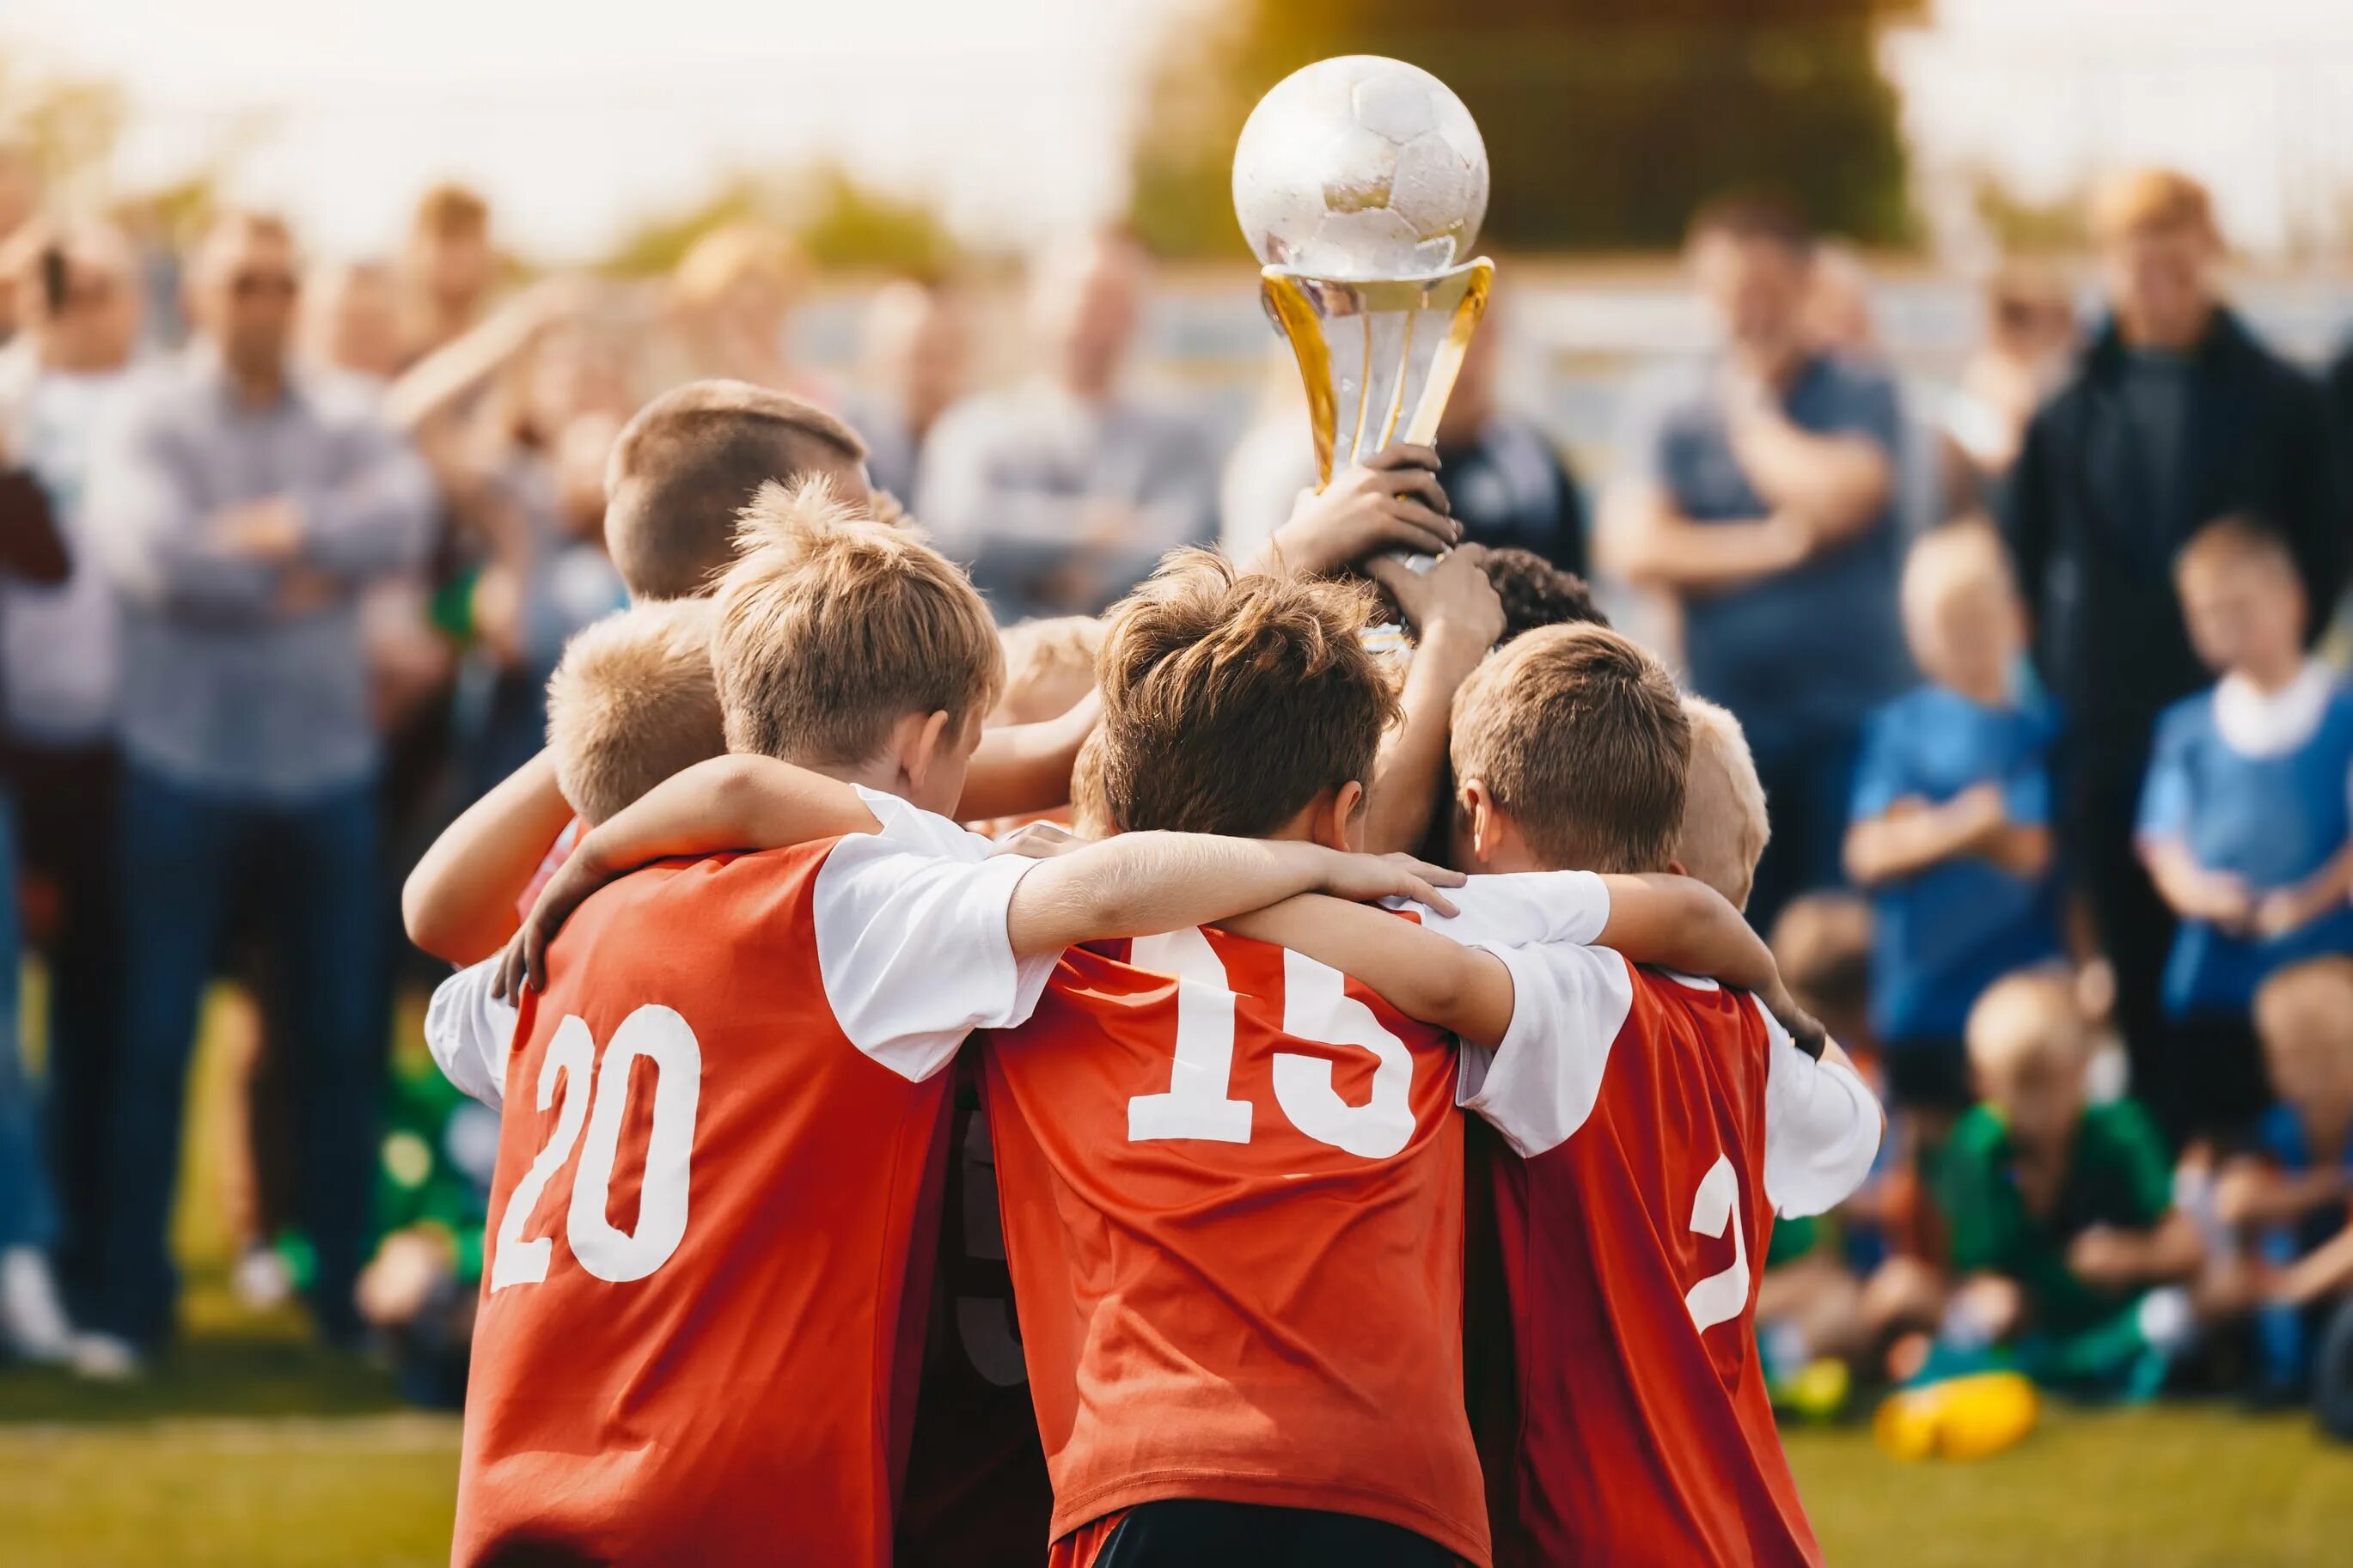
x=250 y=1448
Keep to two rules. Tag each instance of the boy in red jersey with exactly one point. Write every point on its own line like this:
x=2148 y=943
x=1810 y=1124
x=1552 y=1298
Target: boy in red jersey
x=1210 y=1149
x=715 y=1179
x=1655 y=1123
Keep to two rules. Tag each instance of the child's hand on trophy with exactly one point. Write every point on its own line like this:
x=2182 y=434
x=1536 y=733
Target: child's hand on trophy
x=1391 y=503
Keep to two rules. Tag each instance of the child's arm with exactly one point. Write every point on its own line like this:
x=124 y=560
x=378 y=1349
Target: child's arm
x=2252 y=1191
x=1022 y=768
x=1910 y=836
x=2327 y=889
x=2327 y=1268
x=1456 y=616
x=2113 y=1257
x=459 y=903
x=2196 y=893
x=1671 y=922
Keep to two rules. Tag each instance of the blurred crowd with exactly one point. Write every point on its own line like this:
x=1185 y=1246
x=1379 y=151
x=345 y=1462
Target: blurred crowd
x=2061 y=794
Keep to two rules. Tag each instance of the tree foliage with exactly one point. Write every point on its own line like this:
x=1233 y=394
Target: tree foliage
x=1606 y=121
x=839 y=221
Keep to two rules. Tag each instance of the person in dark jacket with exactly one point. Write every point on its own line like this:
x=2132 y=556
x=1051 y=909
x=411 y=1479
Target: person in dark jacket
x=2176 y=414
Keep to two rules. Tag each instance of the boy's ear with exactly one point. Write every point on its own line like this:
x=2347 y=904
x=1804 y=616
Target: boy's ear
x=1676 y=868
x=929 y=739
x=1486 y=824
x=1347 y=817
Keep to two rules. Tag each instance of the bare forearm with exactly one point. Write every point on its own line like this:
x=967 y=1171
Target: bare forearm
x=1658 y=548
x=1023 y=768
x=727 y=803
x=2328 y=1268
x=1885 y=848
x=1838 y=483
x=1677 y=923
x=2179 y=877
x=2171 y=1252
x=1412 y=767
x=1140 y=883
x=1415 y=969
x=459 y=903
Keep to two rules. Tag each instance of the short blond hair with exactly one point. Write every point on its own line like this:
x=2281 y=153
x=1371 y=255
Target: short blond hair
x=1725 y=826
x=834 y=626
x=1231 y=700
x=450 y=211
x=2235 y=539
x=732 y=253
x=634 y=701
x=1044 y=661
x=1963 y=553
x=2141 y=200
x=2029 y=1013
x=1580 y=738
x=686 y=466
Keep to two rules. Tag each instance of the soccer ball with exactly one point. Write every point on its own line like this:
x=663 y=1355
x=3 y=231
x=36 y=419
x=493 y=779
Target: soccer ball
x=1360 y=166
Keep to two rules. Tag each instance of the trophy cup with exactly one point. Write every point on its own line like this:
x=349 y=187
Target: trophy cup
x=1360 y=183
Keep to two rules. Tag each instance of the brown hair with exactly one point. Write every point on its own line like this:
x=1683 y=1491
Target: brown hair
x=683 y=468
x=1580 y=738
x=833 y=627
x=1044 y=660
x=633 y=702
x=1232 y=701
x=1752 y=214
x=2235 y=539
x=1821 y=941
x=450 y=211
x=1534 y=593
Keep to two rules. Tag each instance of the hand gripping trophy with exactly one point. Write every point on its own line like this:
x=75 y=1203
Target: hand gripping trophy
x=1360 y=182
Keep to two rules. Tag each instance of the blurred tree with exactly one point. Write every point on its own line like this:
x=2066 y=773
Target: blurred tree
x=2025 y=226
x=838 y=220
x=71 y=124
x=1606 y=121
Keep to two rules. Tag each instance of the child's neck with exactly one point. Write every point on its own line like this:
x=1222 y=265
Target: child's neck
x=1986 y=689
x=2272 y=672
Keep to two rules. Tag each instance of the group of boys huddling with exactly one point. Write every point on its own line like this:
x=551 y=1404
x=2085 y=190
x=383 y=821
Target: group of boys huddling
x=873 y=1190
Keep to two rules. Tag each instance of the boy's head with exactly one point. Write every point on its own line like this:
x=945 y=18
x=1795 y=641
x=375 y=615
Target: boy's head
x=692 y=458
x=1725 y=827
x=1050 y=666
x=1534 y=593
x=852 y=648
x=2028 y=1048
x=1570 y=750
x=633 y=702
x=2241 y=596
x=1241 y=704
x=2305 y=1014
x=1090 y=812
x=1962 y=613
x=1823 y=944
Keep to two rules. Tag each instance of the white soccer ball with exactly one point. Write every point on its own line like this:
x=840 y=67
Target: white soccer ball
x=1361 y=167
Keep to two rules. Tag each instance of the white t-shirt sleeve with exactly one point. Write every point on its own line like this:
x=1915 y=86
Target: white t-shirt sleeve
x=1821 y=1128
x=1523 y=908
x=1568 y=1004
x=913 y=943
x=470 y=1033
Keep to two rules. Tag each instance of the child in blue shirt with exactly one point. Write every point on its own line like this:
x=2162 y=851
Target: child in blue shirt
x=2245 y=821
x=1950 y=822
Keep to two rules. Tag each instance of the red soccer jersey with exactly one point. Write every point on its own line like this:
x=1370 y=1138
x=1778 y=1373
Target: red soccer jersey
x=712 y=1214
x=1655 y=1123
x=1234 y=1201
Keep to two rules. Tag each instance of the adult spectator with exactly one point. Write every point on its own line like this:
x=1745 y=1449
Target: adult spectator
x=732 y=300
x=448 y=269
x=2030 y=341
x=2175 y=415
x=1757 y=499
x=918 y=348
x=59 y=665
x=1064 y=491
x=242 y=508
x=351 y=319
x=20 y=201
x=1505 y=482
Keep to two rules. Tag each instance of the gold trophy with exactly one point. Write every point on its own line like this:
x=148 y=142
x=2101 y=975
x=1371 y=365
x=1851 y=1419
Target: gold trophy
x=1360 y=183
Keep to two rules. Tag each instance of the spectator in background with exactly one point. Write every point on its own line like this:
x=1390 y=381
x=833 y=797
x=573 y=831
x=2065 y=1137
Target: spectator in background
x=2244 y=824
x=1930 y=478
x=1758 y=500
x=447 y=271
x=731 y=298
x=1062 y=493
x=1951 y=828
x=351 y=319
x=1505 y=482
x=2175 y=415
x=917 y=353
x=2030 y=336
x=20 y=201
x=2071 y=1258
x=60 y=659
x=241 y=508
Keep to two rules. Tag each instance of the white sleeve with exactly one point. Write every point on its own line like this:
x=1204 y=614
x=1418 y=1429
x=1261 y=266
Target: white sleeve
x=915 y=952
x=1568 y=1004
x=1521 y=909
x=1821 y=1128
x=470 y=1033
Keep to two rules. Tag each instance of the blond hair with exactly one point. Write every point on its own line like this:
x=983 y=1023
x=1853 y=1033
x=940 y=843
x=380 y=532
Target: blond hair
x=1965 y=553
x=689 y=462
x=1725 y=826
x=1048 y=665
x=734 y=252
x=633 y=702
x=833 y=627
x=2141 y=200
x=2030 y=1012
x=1580 y=738
x=2235 y=539
x=1232 y=701
x=450 y=211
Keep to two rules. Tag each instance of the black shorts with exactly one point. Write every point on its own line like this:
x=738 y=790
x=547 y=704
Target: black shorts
x=1927 y=1074
x=1194 y=1532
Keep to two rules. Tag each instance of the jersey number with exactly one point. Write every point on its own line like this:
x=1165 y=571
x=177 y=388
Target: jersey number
x=1315 y=1006
x=661 y=1039
x=1719 y=1297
